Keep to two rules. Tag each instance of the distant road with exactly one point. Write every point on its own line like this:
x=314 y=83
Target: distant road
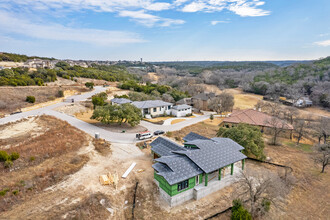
x=91 y=129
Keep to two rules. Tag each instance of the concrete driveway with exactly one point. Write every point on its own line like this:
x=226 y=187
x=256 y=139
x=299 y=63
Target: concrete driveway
x=91 y=129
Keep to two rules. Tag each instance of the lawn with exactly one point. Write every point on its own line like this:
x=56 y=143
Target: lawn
x=303 y=147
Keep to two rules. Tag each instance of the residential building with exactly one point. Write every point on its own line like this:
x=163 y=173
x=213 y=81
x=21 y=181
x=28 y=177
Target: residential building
x=201 y=101
x=303 y=102
x=198 y=168
x=256 y=118
x=181 y=110
x=120 y=101
x=153 y=108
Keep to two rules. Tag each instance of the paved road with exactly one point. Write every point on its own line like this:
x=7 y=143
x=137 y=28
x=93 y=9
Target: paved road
x=91 y=129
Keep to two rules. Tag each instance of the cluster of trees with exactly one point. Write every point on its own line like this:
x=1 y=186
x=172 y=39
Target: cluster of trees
x=250 y=137
x=125 y=113
x=154 y=90
x=109 y=73
x=22 y=77
x=99 y=99
x=223 y=102
x=299 y=79
x=18 y=57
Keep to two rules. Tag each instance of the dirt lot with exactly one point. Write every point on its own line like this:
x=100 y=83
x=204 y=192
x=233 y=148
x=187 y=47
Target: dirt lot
x=14 y=97
x=47 y=149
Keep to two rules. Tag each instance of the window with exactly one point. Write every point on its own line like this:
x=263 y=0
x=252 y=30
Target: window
x=183 y=185
x=169 y=107
x=155 y=109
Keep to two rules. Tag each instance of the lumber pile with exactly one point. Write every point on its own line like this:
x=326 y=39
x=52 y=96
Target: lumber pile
x=110 y=179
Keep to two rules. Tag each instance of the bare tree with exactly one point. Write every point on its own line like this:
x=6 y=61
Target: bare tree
x=276 y=126
x=322 y=128
x=222 y=103
x=323 y=155
x=290 y=113
x=256 y=189
x=301 y=127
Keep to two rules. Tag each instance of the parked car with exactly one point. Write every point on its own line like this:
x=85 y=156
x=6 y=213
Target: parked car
x=144 y=135
x=159 y=132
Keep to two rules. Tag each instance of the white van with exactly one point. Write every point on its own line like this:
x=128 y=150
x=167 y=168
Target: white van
x=144 y=135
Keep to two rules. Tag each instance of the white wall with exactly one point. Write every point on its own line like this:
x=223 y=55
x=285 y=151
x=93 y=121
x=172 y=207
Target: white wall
x=181 y=113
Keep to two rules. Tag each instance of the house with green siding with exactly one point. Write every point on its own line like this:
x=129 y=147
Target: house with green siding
x=198 y=168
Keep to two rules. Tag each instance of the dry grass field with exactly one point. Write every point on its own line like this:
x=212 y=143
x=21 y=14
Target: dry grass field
x=13 y=98
x=47 y=152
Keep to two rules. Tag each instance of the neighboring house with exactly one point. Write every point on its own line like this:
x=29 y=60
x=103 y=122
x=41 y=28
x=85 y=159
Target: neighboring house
x=256 y=118
x=197 y=169
x=303 y=102
x=120 y=101
x=201 y=101
x=153 y=108
x=181 y=110
x=186 y=101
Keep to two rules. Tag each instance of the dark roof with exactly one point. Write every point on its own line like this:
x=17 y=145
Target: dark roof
x=164 y=147
x=150 y=104
x=204 y=96
x=213 y=155
x=210 y=155
x=120 y=100
x=228 y=141
x=176 y=168
x=193 y=136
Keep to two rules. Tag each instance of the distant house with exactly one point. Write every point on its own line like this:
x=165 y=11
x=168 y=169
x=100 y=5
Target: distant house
x=153 y=108
x=303 y=102
x=256 y=118
x=181 y=110
x=195 y=170
x=184 y=101
x=120 y=101
x=201 y=101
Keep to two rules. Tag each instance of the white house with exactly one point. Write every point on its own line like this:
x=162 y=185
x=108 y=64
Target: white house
x=153 y=108
x=181 y=110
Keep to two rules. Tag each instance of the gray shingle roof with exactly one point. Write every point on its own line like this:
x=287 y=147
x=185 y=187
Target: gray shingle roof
x=210 y=155
x=120 y=100
x=193 y=136
x=180 y=107
x=213 y=155
x=150 y=104
x=164 y=147
x=176 y=168
x=228 y=142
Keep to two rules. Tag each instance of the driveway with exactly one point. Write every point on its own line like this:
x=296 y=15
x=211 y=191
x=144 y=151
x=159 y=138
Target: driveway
x=91 y=129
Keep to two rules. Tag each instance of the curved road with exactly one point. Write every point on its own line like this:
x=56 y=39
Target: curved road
x=91 y=129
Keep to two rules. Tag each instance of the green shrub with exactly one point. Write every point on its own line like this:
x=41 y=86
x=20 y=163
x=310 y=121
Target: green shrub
x=15 y=192
x=238 y=212
x=32 y=158
x=8 y=164
x=211 y=117
x=30 y=99
x=3 y=192
x=14 y=156
x=60 y=93
x=266 y=204
x=3 y=156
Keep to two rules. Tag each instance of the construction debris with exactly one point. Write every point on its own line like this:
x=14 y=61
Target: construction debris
x=128 y=170
x=104 y=180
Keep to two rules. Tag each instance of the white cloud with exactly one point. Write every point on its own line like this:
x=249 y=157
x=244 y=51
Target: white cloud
x=325 y=43
x=10 y=24
x=159 y=6
x=194 y=7
x=248 y=9
x=218 y=22
x=149 y=20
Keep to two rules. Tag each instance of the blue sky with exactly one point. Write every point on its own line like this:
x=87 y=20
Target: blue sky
x=172 y=30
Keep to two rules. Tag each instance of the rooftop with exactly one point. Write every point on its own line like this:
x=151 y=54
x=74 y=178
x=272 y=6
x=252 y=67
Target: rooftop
x=254 y=117
x=164 y=147
x=208 y=156
x=120 y=100
x=150 y=104
x=180 y=107
x=204 y=96
x=193 y=136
